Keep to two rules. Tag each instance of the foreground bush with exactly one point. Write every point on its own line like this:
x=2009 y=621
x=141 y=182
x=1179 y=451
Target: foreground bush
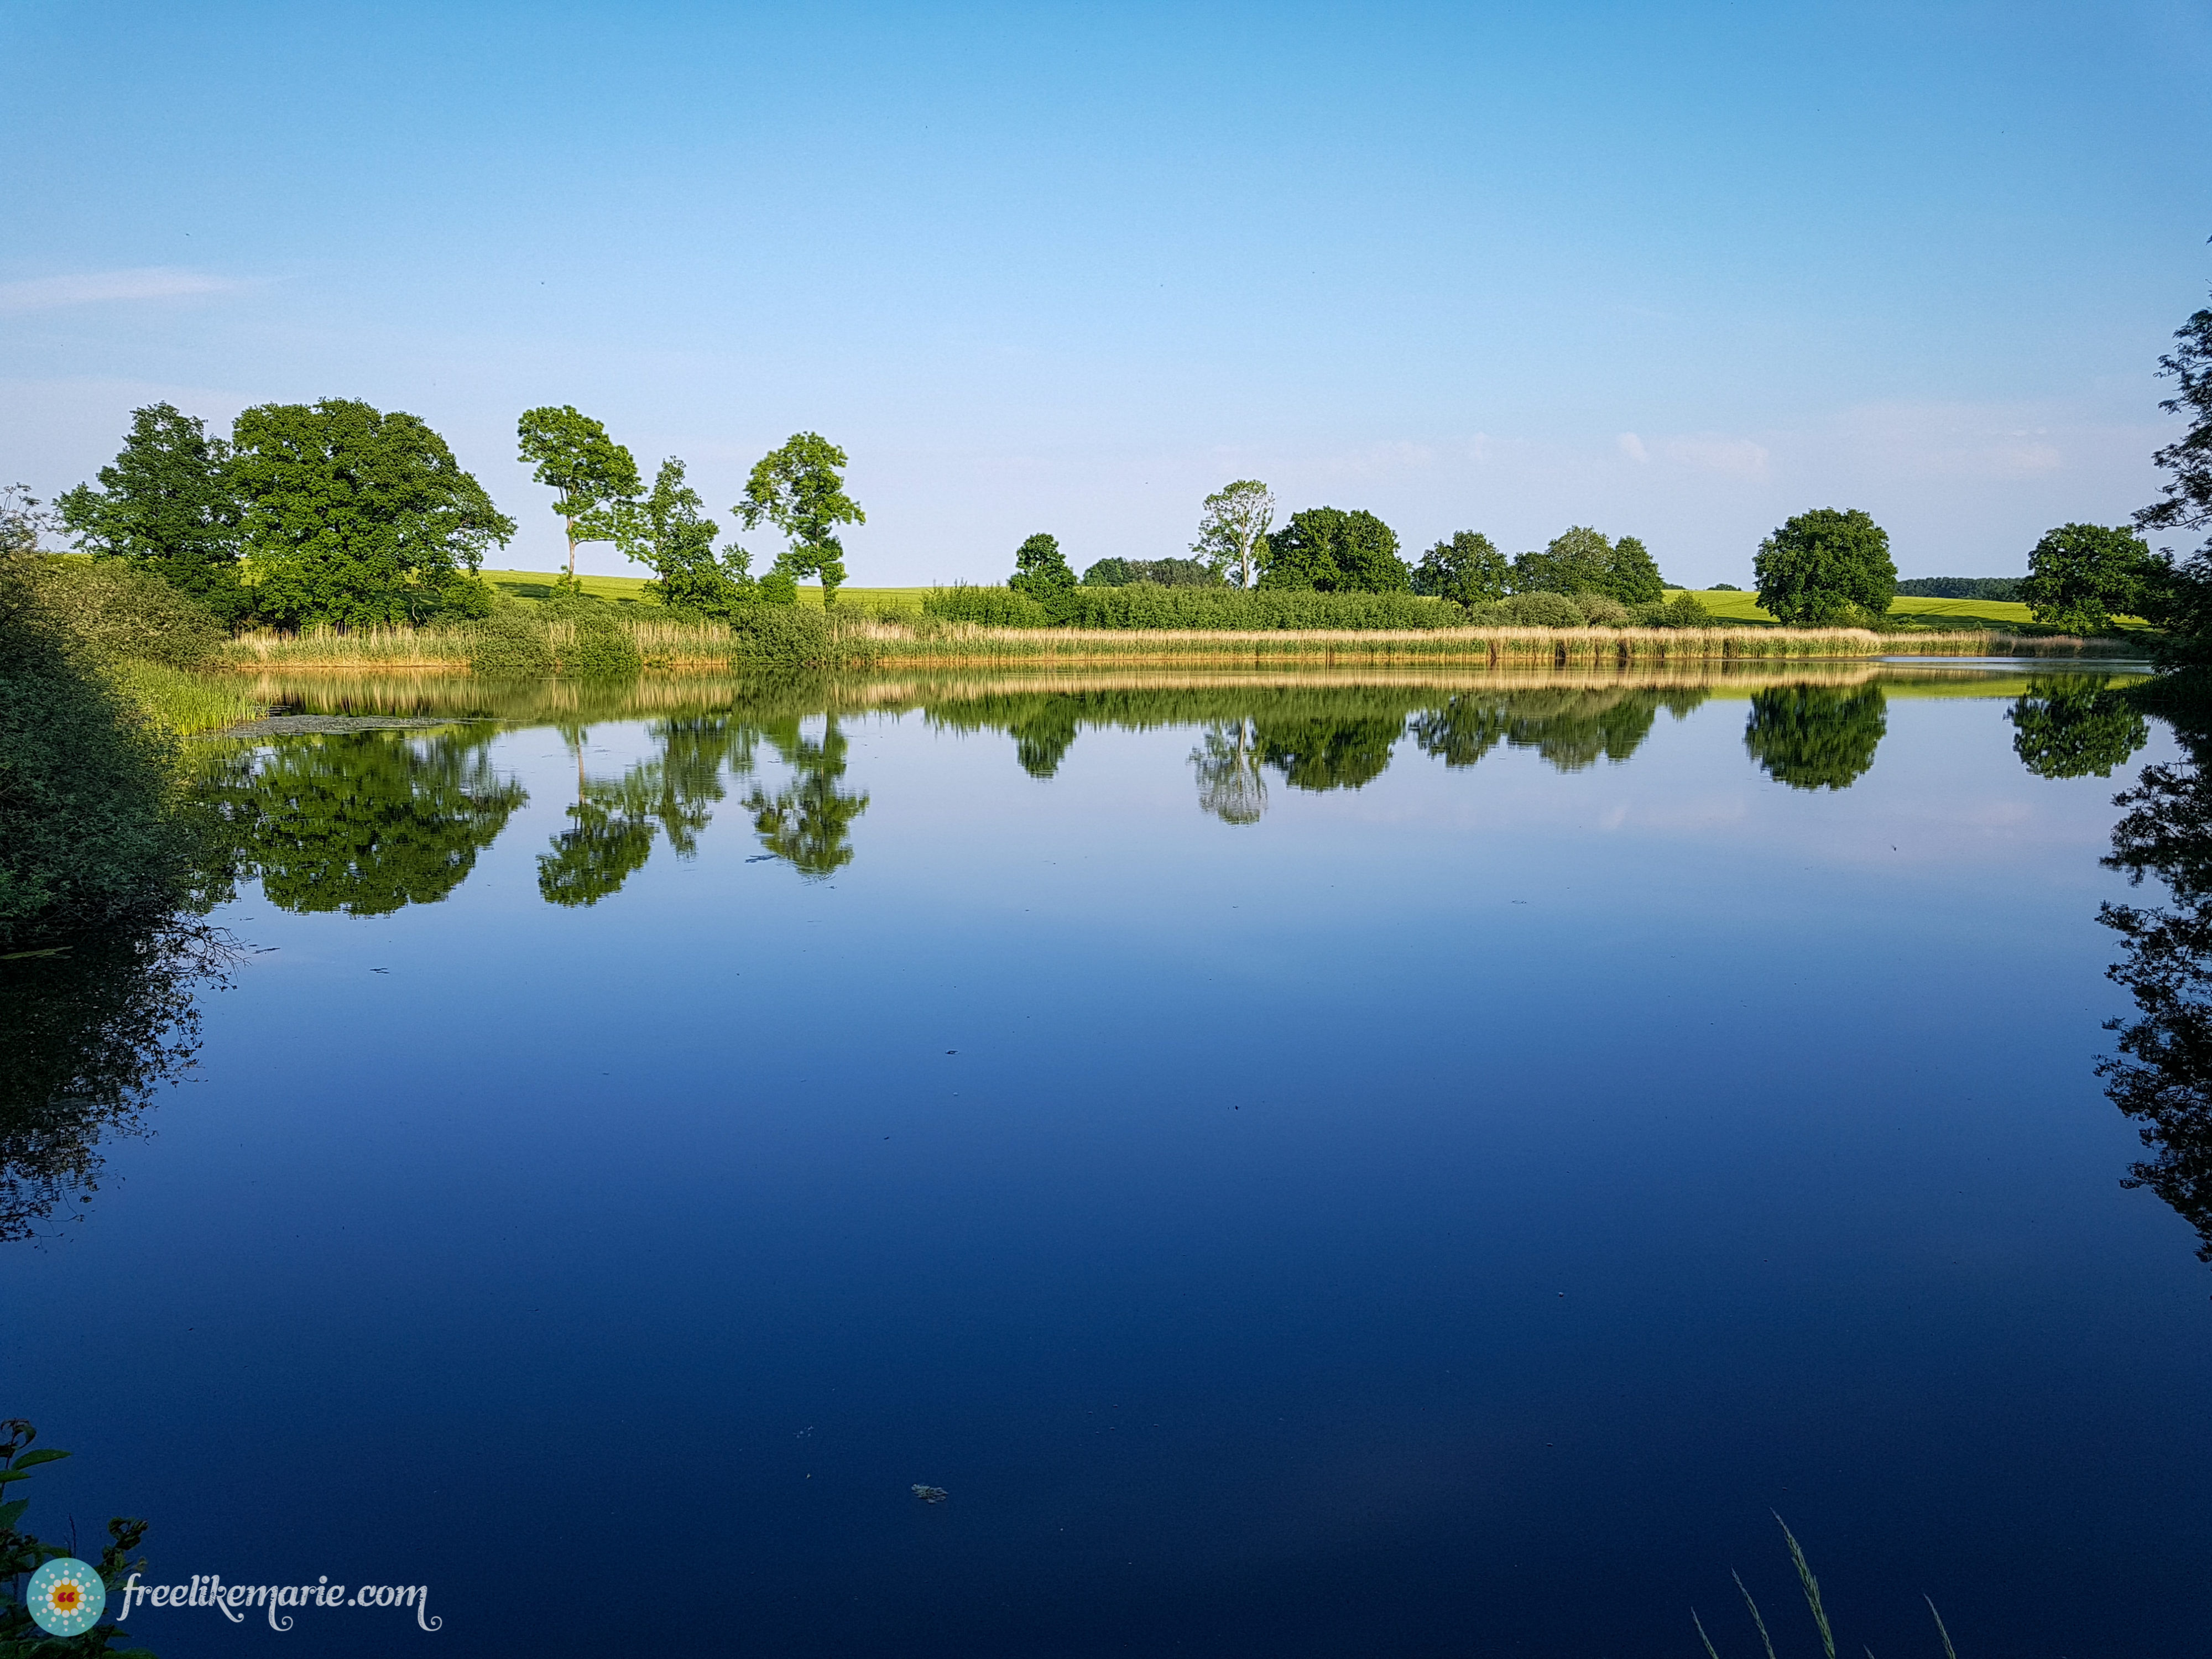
x=90 y=832
x=121 y=613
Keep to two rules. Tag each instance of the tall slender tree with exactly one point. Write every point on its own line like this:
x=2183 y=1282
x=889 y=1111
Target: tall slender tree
x=1232 y=528
x=588 y=472
x=801 y=489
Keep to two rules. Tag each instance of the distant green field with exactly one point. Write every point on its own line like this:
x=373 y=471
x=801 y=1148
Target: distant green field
x=2000 y=615
x=538 y=585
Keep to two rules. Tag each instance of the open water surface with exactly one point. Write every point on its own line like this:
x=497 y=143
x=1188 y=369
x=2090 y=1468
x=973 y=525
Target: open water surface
x=1310 y=1166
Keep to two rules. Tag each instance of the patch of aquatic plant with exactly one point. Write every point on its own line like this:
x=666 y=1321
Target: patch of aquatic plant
x=183 y=702
x=1810 y=1586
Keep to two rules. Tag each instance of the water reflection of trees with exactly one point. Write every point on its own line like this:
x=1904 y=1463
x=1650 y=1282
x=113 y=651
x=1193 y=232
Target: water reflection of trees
x=2162 y=1075
x=89 y=1034
x=364 y=823
x=2075 y=727
x=613 y=824
x=1816 y=736
x=809 y=822
x=1231 y=785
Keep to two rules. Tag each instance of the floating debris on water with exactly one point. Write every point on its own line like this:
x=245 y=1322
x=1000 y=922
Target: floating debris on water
x=932 y=1494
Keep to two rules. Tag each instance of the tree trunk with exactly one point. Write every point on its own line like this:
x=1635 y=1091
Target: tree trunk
x=571 y=524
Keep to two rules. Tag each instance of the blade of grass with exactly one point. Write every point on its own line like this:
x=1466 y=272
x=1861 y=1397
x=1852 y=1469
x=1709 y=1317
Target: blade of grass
x=1710 y=1651
x=1811 y=1588
x=1764 y=1639
x=1949 y=1652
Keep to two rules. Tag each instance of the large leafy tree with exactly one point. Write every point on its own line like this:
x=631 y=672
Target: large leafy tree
x=588 y=472
x=1041 y=568
x=1468 y=568
x=168 y=504
x=2080 y=577
x=2180 y=600
x=1826 y=568
x=801 y=489
x=1232 y=528
x=1815 y=737
x=356 y=517
x=669 y=531
x=1581 y=560
x=1329 y=550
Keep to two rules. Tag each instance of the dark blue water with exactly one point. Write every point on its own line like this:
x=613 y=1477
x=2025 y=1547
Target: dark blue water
x=1446 y=1215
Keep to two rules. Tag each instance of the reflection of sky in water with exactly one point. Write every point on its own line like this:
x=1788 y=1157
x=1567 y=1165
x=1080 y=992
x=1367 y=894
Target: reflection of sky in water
x=1217 y=1271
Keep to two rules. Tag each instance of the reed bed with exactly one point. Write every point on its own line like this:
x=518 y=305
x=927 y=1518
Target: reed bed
x=666 y=645
x=186 y=702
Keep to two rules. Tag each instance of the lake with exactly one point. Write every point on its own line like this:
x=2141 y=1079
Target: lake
x=1406 y=1164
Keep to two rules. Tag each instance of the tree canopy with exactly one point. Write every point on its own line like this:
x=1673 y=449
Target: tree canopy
x=669 y=531
x=1232 y=527
x=2080 y=577
x=1332 y=551
x=588 y=472
x=1039 y=569
x=1468 y=568
x=1581 y=560
x=1825 y=568
x=2075 y=728
x=801 y=489
x=356 y=517
x=166 y=504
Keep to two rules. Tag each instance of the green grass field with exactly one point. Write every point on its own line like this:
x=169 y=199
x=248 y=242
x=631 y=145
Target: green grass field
x=1999 y=616
x=538 y=585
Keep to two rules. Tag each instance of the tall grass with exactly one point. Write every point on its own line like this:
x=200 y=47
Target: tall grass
x=1810 y=1586
x=185 y=703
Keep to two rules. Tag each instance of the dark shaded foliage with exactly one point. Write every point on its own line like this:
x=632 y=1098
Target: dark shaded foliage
x=1815 y=737
x=1163 y=573
x=169 y=505
x=124 y=612
x=1327 y=753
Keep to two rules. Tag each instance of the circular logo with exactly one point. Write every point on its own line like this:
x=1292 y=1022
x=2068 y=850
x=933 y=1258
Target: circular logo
x=66 y=1597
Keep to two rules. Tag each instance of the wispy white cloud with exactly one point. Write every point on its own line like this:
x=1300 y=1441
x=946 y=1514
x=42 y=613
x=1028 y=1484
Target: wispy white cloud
x=1739 y=457
x=1632 y=447
x=102 y=287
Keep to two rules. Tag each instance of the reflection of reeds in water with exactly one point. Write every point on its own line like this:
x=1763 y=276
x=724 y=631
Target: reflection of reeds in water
x=1811 y=1588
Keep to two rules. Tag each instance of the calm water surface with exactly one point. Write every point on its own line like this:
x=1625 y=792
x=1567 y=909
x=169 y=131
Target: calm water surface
x=1310 y=1170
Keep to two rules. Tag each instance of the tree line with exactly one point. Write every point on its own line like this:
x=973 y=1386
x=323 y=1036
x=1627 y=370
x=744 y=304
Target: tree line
x=339 y=513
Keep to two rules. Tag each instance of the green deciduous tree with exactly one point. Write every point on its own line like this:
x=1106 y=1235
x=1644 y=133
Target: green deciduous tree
x=1826 y=568
x=1232 y=529
x=1581 y=560
x=669 y=531
x=801 y=489
x=2080 y=577
x=2180 y=598
x=1468 y=568
x=588 y=472
x=356 y=517
x=1039 y=569
x=168 y=505
x=1815 y=737
x=1329 y=550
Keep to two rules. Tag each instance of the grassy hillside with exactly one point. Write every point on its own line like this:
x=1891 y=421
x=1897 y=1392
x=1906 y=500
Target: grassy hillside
x=2000 y=615
x=538 y=585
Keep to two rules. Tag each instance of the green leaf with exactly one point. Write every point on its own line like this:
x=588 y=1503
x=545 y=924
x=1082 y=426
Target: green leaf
x=14 y=1475
x=45 y=1455
x=11 y=1513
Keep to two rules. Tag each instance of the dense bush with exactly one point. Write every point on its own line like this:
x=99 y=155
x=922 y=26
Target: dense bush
x=125 y=613
x=1540 y=609
x=993 y=607
x=90 y=832
x=598 y=647
x=1683 y=610
x=1602 y=610
x=780 y=635
x=511 y=644
x=1148 y=605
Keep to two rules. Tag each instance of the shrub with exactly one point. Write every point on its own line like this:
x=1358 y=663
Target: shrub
x=1168 y=572
x=1147 y=604
x=598 y=648
x=1602 y=610
x=779 y=586
x=124 y=613
x=1539 y=609
x=991 y=607
x=780 y=635
x=511 y=644
x=90 y=832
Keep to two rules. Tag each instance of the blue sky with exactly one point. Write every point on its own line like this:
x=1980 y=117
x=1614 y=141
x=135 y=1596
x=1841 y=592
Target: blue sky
x=1677 y=270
